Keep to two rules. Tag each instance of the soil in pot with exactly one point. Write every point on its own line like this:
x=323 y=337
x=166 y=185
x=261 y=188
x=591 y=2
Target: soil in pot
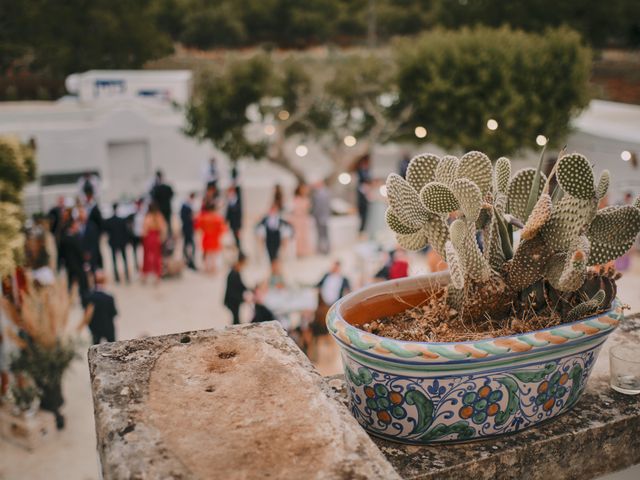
x=488 y=312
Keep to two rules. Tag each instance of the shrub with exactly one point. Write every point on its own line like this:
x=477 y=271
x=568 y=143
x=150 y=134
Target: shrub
x=457 y=80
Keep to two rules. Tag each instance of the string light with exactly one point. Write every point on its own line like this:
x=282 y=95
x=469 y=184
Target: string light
x=344 y=178
x=269 y=129
x=302 y=150
x=492 y=124
x=283 y=115
x=420 y=132
x=625 y=155
x=350 y=140
x=541 y=140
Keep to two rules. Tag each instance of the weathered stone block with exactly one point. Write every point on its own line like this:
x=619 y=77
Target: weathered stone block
x=240 y=403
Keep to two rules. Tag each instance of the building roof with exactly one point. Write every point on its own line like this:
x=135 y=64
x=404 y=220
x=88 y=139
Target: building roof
x=616 y=121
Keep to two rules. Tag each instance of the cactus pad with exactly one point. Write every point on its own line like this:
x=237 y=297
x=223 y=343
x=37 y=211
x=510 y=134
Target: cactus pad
x=413 y=241
x=587 y=308
x=405 y=202
x=501 y=174
x=421 y=170
x=469 y=197
x=437 y=231
x=446 y=169
x=540 y=215
x=528 y=263
x=612 y=232
x=473 y=262
x=575 y=176
x=396 y=225
x=455 y=267
x=476 y=167
x=603 y=184
x=438 y=198
x=519 y=189
x=570 y=218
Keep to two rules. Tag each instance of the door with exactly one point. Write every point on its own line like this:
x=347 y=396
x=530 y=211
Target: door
x=129 y=169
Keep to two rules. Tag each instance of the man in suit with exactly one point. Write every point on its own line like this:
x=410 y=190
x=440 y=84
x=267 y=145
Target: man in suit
x=333 y=286
x=234 y=213
x=100 y=312
x=118 y=233
x=188 y=245
x=73 y=253
x=235 y=291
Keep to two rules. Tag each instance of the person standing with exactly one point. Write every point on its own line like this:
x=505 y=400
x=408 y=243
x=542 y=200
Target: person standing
x=72 y=251
x=234 y=213
x=301 y=220
x=212 y=226
x=118 y=233
x=364 y=185
x=321 y=212
x=56 y=223
x=403 y=166
x=236 y=289
x=162 y=194
x=274 y=230
x=100 y=312
x=333 y=286
x=188 y=245
x=154 y=232
x=94 y=225
x=211 y=175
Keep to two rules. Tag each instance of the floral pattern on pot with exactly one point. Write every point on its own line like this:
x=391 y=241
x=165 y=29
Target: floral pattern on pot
x=424 y=409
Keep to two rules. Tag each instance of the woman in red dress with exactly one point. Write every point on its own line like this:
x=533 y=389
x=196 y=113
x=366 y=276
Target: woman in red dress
x=154 y=232
x=213 y=227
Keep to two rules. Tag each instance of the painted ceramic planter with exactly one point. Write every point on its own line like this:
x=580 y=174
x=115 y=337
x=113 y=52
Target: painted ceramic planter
x=419 y=392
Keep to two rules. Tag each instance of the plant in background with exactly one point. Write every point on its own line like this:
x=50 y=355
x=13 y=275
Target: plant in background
x=25 y=393
x=17 y=167
x=45 y=352
x=468 y=209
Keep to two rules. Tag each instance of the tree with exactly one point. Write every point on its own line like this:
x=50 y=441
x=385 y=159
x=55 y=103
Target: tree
x=321 y=99
x=458 y=80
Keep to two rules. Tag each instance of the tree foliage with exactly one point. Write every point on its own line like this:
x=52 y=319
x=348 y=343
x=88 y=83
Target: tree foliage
x=530 y=84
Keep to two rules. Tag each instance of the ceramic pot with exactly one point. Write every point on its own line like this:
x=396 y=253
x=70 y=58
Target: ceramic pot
x=423 y=392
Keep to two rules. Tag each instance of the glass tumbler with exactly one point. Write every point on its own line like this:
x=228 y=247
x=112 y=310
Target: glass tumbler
x=624 y=362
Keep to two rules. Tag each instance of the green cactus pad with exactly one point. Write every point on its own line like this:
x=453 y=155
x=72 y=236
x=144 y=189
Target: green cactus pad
x=422 y=170
x=413 y=241
x=603 y=184
x=438 y=198
x=636 y=202
x=405 y=202
x=615 y=224
x=456 y=270
x=476 y=167
x=463 y=239
x=570 y=218
x=575 y=268
x=553 y=269
x=446 y=169
x=519 y=189
x=528 y=263
x=437 y=231
x=396 y=225
x=587 y=308
x=540 y=215
x=613 y=232
x=602 y=253
x=501 y=174
x=575 y=176
x=469 y=197
x=493 y=245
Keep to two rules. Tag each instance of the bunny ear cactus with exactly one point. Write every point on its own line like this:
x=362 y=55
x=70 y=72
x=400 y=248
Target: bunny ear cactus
x=467 y=209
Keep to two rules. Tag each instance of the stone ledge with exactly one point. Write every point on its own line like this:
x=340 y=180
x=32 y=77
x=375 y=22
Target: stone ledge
x=240 y=403
x=600 y=435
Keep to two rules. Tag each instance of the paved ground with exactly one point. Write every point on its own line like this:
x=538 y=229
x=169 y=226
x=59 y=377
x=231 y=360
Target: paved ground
x=189 y=303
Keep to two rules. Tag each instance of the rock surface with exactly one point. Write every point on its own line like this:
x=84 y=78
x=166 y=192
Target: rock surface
x=236 y=404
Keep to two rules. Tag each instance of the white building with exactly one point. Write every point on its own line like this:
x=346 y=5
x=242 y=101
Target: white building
x=122 y=126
